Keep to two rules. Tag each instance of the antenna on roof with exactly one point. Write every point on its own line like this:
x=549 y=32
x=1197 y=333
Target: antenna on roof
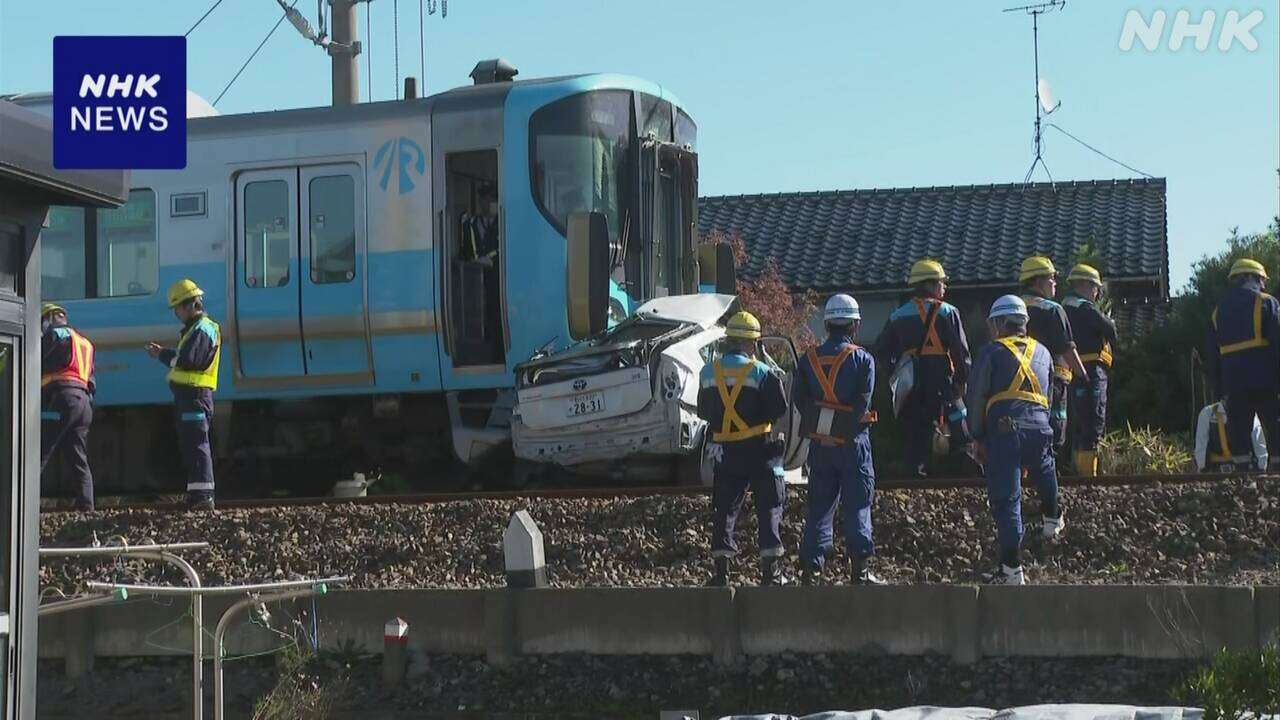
x=1044 y=96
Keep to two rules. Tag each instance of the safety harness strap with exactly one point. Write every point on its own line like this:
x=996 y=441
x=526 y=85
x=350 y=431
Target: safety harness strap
x=1256 y=341
x=732 y=427
x=1024 y=374
x=932 y=344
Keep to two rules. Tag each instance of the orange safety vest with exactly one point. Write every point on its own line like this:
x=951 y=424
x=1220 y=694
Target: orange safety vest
x=80 y=369
x=830 y=409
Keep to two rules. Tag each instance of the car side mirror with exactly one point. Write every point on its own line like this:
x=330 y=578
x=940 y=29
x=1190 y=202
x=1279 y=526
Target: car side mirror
x=587 y=276
x=716 y=268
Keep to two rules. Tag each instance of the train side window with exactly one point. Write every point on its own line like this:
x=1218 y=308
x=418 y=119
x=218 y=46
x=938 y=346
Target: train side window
x=62 y=249
x=126 y=247
x=333 y=229
x=267 y=236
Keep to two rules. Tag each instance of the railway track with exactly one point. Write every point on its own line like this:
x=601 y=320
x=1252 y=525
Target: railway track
x=174 y=501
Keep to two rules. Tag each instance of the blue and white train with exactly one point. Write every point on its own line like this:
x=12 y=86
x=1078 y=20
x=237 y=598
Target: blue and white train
x=358 y=330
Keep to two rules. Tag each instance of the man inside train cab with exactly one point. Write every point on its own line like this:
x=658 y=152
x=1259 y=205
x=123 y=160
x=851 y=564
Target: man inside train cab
x=833 y=389
x=480 y=245
x=66 y=400
x=1243 y=356
x=1095 y=336
x=193 y=378
x=1008 y=395
x=924 y=340
x=1048 y=325
x=740 y=398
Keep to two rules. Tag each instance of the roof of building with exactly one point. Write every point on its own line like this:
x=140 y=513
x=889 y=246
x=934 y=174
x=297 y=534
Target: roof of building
x=867 y=239
x=26 y=159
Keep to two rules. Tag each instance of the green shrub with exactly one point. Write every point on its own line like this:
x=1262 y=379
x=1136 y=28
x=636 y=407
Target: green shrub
x=1144 y=451
x=1235 y=686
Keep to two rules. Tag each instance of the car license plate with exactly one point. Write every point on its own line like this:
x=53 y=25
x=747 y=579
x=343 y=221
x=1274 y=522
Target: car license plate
x=586 y=404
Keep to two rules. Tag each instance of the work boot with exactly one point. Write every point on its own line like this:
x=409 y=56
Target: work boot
x=860 y=573
x=810 y=573
x=199 y=503
x=1005 y=575
x=721 y=576
x=771 y=572
x=1052 y=526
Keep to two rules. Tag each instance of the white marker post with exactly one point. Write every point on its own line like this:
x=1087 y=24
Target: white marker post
x=395 y=651
x=522 y=550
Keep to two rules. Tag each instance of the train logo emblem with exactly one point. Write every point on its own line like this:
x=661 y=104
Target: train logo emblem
x=580 y=384
x=401 y=153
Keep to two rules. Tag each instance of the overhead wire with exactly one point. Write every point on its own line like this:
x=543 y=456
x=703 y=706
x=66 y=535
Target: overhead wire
x=253 y=55
x=202 y=17
x=1099 y=152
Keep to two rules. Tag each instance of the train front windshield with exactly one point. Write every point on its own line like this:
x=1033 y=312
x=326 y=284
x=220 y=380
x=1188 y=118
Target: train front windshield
x=592 y=152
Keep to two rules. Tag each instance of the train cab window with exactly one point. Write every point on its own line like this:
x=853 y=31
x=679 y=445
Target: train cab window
x=101 y=253
x=126 y=247
x=475 y=249
x=267 y=236
x=333 y=228
x=686 y=130
x=655 y=117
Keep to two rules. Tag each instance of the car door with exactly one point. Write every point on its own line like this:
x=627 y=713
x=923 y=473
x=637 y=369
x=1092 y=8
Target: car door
x=267 y=299
x=780 y=354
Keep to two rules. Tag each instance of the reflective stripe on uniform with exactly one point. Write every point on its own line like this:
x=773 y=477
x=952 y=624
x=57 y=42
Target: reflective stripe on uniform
x=1257 y=340
x=197 y=486
x=50 y=415
x=1024 y=373
x=733 y=428
x=197 y=416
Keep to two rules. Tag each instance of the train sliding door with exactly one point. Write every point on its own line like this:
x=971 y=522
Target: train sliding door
x=300 y=295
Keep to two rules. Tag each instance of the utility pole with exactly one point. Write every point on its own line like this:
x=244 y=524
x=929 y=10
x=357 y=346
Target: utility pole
x=1035 y=11
x=343 y=51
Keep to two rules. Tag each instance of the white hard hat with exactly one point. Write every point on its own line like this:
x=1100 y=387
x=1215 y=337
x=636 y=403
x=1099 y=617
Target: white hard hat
x=1007 y=305
x=842 y=309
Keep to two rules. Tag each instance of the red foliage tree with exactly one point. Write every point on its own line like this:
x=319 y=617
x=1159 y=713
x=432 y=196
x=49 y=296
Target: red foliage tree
x=767 y=296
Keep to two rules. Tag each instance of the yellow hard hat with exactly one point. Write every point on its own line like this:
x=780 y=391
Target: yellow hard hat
x=744 y=326
x=182 y=291
x=48 y=309
x=1088 y=273
x=1036 y=266
x=1245 y=266
x=926 y=270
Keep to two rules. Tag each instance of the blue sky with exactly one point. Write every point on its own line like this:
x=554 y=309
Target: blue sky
x=800 y=95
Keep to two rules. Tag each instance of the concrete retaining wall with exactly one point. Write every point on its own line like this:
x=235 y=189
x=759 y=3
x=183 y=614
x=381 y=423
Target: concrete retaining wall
x=964 y=622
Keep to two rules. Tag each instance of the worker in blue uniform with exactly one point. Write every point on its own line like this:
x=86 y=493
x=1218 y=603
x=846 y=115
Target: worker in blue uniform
x=1010 y=402
x=927 y=333
x=740 y=398
x=1049 y=326
x=833 y=391
x=1243 y=357
x=193 y=378
x=1095 y=335
x=66 y=401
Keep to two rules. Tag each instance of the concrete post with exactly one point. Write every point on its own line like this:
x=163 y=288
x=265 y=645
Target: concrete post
x=522 y=550
x=395 y=651
x=77 y=638
x=345 y=70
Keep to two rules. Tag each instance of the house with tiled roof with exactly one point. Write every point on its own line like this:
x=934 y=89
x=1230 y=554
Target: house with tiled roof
x=864 y=241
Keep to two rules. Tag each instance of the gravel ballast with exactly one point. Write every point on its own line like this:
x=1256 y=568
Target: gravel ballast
x=1222 y=531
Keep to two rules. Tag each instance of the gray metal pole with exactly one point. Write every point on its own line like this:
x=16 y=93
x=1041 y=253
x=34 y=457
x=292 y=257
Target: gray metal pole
x=163 y=554
x=77 y=603
x=225 y=620
x=163 y=591
x=343 y=52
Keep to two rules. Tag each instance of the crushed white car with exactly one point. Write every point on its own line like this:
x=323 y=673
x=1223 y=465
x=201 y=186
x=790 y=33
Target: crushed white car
x=626 y=401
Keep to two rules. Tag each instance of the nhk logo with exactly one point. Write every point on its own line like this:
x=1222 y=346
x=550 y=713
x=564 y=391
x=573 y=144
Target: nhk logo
x=119 y=102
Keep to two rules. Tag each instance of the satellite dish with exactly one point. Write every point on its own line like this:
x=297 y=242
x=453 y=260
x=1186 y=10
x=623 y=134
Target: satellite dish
x=198 y=107
x=1047 y=102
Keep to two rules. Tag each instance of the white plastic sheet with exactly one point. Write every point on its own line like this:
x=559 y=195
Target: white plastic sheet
x=1031 y=712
